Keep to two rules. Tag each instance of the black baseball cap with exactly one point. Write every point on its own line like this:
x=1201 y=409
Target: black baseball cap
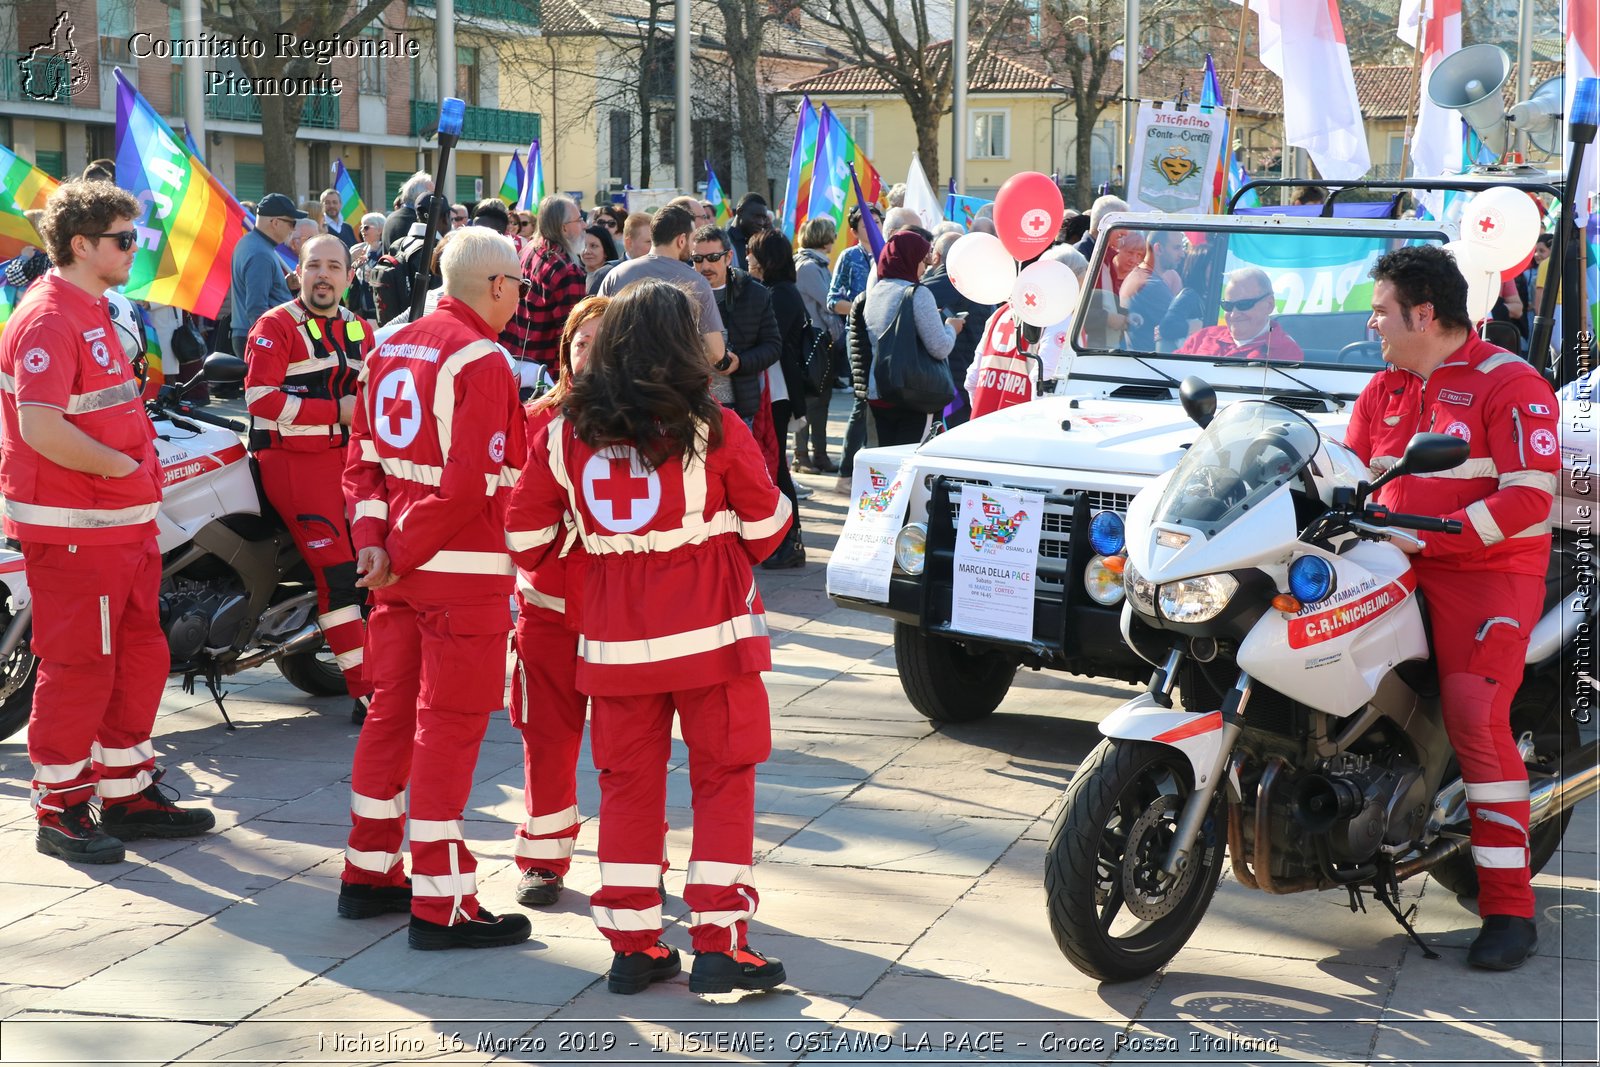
x=277 y=206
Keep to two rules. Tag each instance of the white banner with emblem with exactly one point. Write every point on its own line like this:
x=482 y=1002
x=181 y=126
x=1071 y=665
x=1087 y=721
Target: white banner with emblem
x=1174 y=158
x=863 y=558
x=997 y=555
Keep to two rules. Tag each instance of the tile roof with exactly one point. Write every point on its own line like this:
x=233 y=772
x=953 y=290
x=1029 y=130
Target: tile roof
x=986 y=73
x=799 y=38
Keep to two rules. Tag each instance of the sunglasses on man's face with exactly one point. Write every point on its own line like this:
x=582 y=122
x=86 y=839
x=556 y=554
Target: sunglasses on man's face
x=125 y=238
x=708 y=257
x=523 y=284
x=610 y=224
x=1243 y=304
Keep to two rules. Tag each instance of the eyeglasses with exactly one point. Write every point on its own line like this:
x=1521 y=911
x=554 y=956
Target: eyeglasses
x=125 y=238
x=609 y=223
x=709 y=257
x=458 y=218
x=1243 y=304
x=523 y=284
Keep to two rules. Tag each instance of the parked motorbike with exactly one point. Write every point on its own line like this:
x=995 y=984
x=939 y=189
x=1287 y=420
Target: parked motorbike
x=1309 y=741
x=235 y=593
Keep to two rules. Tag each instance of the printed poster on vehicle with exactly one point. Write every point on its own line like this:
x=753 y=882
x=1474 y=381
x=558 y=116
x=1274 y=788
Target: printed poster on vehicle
x=997 y=556
x=1174 y=158
x=864 y=556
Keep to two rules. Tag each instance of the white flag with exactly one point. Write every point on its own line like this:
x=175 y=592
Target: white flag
x=1436 y=139
x=1302 y=42
x=920 y=197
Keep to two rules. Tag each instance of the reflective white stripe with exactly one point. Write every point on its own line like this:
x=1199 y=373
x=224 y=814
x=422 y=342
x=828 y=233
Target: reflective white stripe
x=1483 y=522
x=444 y=388
x=122 y=757
x=437 y=830
x=450 y=562
x=630 y=875
x=52 y=773
x=1541 y=480
x=118 y=788
x=543 y=600
x=673 y=646
x=311 y=365
x=1500 y=858
x=105 y=625
x=369 y=451
x=692 y=532
x=1499 y=359
x=540 y=825
x=526 y=540
x=1497 y=792
x=454 y=886
x=626 y=919
x=1501 y=819
x=1538 y=529
x=372 y=509
x=694 y=473
x=717 y=918
x=1472 y=468
x=408 y=471
x=259 y=392
x=545 y=848
x=768 y=527
x=507 y=478
x=373 y=808
x=350 y=660
x=340 y=616
x=376 y=862
x=100 y=399
x=710 y=872
x=284 y=428
x=80 y=518
x=8 y=384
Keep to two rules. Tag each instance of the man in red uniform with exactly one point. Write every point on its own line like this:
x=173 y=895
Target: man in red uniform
x=82 y=486
x=1248 y=330
x=437 y=439
x=305 y=357
x=1484 y=586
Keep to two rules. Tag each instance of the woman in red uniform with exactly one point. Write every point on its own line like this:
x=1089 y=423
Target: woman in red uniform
x=671 y=500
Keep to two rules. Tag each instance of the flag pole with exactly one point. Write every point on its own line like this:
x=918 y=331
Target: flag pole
x=1238 y=77
x=1423 y=15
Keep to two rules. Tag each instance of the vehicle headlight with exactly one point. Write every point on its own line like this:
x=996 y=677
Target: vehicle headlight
x=910 y=547
x=1141 y=591
x=1104 y=586
x=1197 y=599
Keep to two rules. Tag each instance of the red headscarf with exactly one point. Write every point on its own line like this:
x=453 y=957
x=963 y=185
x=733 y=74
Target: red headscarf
x=902 y=256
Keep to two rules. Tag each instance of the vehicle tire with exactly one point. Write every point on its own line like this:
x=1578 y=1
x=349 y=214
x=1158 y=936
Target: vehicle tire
x=1536 y=708
x=1127 y=792
x=946 y=682
x=17 y=678
x=314 y=672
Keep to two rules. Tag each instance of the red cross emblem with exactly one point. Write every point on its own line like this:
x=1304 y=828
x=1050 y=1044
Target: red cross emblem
x=1005 y=335
x=1031 y=298
x=623 y=496
x=1486 y=225
x=397 y=410
x=1036 y=222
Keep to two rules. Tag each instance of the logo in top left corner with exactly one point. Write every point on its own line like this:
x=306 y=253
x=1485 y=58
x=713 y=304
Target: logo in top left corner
x=54 y=70
x=35 y=360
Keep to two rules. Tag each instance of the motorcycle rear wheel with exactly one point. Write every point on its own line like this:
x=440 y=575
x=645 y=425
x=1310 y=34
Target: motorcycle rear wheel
x=1113 y=831
x=17 y=678
x=314 y=672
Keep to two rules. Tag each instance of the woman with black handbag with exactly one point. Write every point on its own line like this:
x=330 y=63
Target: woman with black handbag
x=908 y=381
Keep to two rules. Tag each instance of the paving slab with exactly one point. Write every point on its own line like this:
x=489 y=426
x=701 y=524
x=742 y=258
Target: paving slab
x=858 y=835
x=65 y=1038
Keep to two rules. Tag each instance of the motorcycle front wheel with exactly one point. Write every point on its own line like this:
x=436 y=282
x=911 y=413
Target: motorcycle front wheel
x=17 y=677
x=1112 y=912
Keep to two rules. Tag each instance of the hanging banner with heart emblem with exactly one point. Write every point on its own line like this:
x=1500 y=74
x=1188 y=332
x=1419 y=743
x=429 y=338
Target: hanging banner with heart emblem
x=1175 y=157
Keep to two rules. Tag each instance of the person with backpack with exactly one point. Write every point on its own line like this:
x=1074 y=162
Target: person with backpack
x=394 y=277
x=900 y=268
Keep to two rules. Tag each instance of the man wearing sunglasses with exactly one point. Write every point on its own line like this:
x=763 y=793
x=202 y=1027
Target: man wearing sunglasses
x=258 y=280
x=753 y=340
x=668 y=260
x=82 y=485
x=1248 y=330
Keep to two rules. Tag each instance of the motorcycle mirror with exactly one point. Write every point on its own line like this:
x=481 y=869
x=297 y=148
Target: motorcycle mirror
x=1199 y=400
x=1426 y=453
x=224 y=369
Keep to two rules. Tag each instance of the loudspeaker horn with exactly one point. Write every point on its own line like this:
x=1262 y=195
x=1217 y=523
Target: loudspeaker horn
x=1470 y=81
x=1539 y=116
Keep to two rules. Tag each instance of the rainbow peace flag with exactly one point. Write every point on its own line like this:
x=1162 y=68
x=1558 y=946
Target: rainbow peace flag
x=802 y=164
x=184 y=257
x=349 y=196
x=511 y=186
x=832 y=191
x=155 y=374
x=533 y=181
x=1231 y=175
x=23 y=187
x=8 y=296
x=717 y=198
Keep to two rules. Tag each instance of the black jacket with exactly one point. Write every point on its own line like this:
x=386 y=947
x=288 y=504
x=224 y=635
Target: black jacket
x=858 y=345
x=753 y=336
x=398 y=224
x=948 y=299
x=789 y=308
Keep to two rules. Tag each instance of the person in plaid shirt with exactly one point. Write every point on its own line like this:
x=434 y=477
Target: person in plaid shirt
x=553 y=283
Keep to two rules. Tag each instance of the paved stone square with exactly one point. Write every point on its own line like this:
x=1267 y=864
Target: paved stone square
x=900 y=869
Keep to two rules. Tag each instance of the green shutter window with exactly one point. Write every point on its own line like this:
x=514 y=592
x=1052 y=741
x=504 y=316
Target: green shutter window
x=392 y=181
x=249 y=181
x=52 y=163
x=464 y=189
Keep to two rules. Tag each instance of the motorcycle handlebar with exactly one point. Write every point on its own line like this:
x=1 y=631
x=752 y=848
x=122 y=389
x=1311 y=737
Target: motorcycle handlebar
x=169 y=406
x=211 y=420
x=1380 y=516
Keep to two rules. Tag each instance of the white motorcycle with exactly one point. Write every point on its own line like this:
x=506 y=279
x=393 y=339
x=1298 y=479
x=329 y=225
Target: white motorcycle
x=1309 y=742
x=235 y=593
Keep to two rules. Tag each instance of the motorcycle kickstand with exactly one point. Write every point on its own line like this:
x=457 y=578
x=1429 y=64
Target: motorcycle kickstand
x=214 y=683
x=1386 y=888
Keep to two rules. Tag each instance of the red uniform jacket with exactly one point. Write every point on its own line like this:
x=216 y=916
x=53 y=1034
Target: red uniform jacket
x=1003 y=375
x=668 y=599
x=544 y=591
x=1218 y=342
x=301 y=366
x=60 y=350
x=1503 y=493
x=434 y=451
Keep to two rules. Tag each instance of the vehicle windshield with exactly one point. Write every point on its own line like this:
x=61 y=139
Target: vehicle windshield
x=1249 y=450
x=1257 y=295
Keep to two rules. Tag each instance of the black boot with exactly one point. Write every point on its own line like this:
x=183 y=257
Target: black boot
x=723 y=972
x=488 y=930
x=152 y=813
x=791 y=554
x=358 y=901
x=633 y=972
x=75 y=836
x=1504 y=943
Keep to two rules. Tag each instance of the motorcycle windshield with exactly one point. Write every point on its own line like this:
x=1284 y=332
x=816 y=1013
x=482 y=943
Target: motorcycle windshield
x=1249 y=450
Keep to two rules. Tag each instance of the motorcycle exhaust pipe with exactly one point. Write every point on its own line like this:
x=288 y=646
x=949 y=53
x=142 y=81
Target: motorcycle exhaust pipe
x=303 y=641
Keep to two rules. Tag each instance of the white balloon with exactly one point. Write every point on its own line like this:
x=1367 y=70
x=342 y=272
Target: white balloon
x=980 y=268
x=1501 y=224
x=1468 y=258
x=1044 y=293
x=1483 y=289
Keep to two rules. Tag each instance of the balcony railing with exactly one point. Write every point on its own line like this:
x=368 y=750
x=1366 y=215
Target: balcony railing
x=482 y=123
x=49 y=71
x=525 y=12
x=320 y=111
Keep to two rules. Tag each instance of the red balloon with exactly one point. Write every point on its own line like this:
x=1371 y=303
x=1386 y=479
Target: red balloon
x=1511 y=272
x=1027 y=214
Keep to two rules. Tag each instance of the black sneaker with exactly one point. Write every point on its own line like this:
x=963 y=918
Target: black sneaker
x=723 y=972
x=538 y=889
x=152 y=813
x=824 y=465
x=75 y=836
x=486 y=931
x=789 y=555
x=1504 y=943
x=632 y=972
x=357 y=901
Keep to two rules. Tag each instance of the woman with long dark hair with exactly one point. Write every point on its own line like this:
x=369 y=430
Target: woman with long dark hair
x=771 y=259
x=669 y=496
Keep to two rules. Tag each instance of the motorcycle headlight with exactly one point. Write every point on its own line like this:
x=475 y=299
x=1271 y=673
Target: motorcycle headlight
x=1141 y=591
x=1103 y=586
x=1197 y=599
x=910 y=547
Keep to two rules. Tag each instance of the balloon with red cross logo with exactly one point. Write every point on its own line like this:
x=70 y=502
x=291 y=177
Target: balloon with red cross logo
x=1027 y=213
x=622 y=493
x=1501 y=225
x=1045 y=293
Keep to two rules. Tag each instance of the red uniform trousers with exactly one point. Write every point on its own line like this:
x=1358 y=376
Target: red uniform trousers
x=103 y=662
x=1481 y=621
x=728 y=731
x=547 y=707
x=305 y=489
x=439 y=671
